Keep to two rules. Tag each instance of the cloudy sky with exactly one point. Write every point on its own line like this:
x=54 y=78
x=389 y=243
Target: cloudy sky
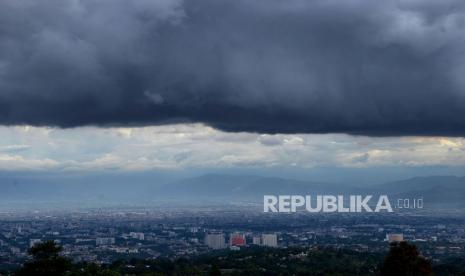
x=187 y=146
x=162 y=84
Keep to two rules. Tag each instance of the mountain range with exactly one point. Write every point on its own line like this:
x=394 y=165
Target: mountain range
x=435 y=190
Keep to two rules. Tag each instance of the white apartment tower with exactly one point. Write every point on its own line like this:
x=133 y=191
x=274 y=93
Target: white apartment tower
x=215 y=240
x=270 y=240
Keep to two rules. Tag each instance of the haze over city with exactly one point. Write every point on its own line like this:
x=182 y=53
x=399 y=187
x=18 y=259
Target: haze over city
x=142 y=136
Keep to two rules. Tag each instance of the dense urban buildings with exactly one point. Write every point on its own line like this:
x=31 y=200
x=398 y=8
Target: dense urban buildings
x=106 y=235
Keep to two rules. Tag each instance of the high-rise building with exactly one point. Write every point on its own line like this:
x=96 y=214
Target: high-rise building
x=237 y=239
x=215 y=240
x=256 y=240
x=270 y=240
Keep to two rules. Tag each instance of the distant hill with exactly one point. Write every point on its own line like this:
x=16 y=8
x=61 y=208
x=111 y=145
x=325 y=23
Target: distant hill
x=435 y=190
x=447 y=191
x=424 y=183
x=248 y=186
x=80 y=189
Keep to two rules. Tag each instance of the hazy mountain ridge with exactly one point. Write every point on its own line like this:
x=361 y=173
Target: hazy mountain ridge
x=252 y=186
x=449 y=190
x=435 y=190
x=444 y=190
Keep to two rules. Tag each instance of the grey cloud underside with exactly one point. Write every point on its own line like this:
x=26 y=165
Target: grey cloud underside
x=359 y=67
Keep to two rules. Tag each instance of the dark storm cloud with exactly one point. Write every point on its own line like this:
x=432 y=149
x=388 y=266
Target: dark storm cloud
x=360 y=67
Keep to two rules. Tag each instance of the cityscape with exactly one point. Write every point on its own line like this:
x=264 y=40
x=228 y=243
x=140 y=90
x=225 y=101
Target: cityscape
x=232 y=138
x=107 y=235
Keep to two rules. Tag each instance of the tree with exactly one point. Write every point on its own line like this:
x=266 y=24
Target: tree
x=214 y=271
x=46 y=261
x=404 y=259
x=93 y=270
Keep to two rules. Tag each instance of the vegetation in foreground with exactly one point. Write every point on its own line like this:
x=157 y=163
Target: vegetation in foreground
x=402 y=259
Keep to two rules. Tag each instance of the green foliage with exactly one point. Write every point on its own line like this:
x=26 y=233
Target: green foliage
x=92 y=270
x=214 y=271
x=46 y=261
x=404 y=259
x=450 y=266
x=260 y=261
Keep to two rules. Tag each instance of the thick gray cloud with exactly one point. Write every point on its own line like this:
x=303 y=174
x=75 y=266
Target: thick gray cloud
x=360 y=67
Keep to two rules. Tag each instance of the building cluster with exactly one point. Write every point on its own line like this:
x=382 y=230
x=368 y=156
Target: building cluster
x=105 y=236
x=217 y=240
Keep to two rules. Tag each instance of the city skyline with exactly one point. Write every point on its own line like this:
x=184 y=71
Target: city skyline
x=232 y=137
